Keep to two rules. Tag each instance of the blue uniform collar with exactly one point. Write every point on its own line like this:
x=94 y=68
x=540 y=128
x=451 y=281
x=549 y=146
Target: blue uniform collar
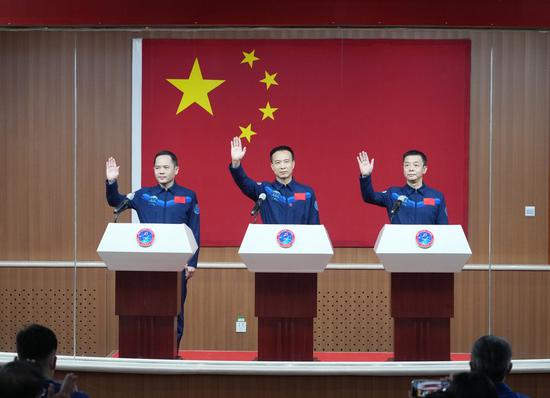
x=408 y=190
x=158 y=189
x=291 y=185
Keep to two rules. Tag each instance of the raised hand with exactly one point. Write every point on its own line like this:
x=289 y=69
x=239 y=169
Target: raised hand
x=111 y=169
x=67 y=388
x=365 y=166
x=237 y=152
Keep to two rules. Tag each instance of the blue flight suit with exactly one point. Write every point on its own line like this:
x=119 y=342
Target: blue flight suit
x=293 y=203
x=176 y=205
x=503 y=391
x=422 y=206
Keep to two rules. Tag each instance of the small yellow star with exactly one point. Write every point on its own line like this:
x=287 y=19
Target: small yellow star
x=269 y=80
x=268 y=112
x=246 y=132
x=249 y=58
x=195 y=89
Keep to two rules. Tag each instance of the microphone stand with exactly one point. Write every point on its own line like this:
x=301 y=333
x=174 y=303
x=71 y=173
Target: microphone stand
x=117 y=214
x=256 y=208
x=120 y=211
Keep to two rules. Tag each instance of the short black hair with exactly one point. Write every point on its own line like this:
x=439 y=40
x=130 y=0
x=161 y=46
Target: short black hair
x=35 y=342
x=492 y=356
x=280 y=148
x=472 y=385
x=416 y=152
x=168 y=153
x=21 y=379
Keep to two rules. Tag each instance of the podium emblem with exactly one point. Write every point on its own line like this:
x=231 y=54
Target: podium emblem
x=285 y=238
x=424 y=239
x=145 y=237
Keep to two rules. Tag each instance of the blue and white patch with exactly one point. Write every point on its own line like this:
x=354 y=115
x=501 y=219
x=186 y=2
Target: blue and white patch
x=424 y=239
x=316 y=206
x=151 y=200
x=285 y=238
x=407 y=202
x=196 y=209
x=145 y=237
x=275 y=195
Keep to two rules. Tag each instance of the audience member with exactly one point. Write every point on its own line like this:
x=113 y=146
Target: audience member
x=492 y=356
x=471 y=385
x=38 y=345
x=19 y=379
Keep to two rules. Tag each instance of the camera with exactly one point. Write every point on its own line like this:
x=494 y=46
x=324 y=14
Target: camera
x=422 y=387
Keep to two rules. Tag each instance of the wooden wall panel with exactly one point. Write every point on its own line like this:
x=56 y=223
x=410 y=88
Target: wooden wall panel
x=36 y=126
x=37 y=295
x=215 y=298
x=99 y=385
x=45 y=296
x=520 y=155
x=520 y=306
x=104 y=65
x=478 y=205
x=95 y=312
x=471 y=309
x=353 y=312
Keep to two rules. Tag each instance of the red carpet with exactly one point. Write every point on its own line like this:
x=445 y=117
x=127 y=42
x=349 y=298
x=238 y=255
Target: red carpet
x=320 y=356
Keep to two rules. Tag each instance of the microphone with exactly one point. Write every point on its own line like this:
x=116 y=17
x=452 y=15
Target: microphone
x=124 y=204
x=397 y=204
x=258 y=203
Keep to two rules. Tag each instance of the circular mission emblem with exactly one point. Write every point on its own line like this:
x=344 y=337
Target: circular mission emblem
x=285 y=238
x=424 y=239
x=145 y=237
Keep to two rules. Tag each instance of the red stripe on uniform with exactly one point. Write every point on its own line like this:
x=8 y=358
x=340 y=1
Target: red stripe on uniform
x=179 y=199
x=300 y=196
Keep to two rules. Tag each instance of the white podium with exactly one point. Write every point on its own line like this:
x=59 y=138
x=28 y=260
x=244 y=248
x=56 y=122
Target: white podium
x=147 y=259
x=286 y=260
x=310 y=251
x=171 y=247
x=398 y=250
x=422 y=260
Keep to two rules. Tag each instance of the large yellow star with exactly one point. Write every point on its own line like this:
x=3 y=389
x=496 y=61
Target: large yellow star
x=246 y=132
x=268 y=112
x=249 y=58
x=269 y=80
x=195 y=89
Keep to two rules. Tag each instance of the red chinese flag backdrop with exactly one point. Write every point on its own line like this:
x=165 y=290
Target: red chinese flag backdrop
x=334 y=98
